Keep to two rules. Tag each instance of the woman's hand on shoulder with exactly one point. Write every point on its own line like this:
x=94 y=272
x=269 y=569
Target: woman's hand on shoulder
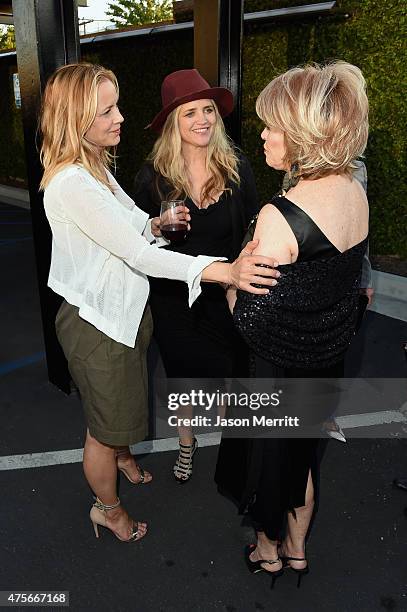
x=244 y=272
x=249 y=269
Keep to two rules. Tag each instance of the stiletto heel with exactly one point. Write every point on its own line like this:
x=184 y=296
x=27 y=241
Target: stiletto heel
x=256 y=566
x=275 y=576
x=98 y=517
x=299 y=571
x=183 y=465
x=142 y=473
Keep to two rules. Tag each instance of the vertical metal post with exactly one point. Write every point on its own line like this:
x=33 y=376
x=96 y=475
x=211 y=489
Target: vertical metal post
x=230 y=60
x=206 y=26
x=47 y=37
x=218 y=35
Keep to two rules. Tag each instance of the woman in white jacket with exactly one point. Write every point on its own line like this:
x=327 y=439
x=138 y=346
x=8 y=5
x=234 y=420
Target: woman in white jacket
x=101 y=255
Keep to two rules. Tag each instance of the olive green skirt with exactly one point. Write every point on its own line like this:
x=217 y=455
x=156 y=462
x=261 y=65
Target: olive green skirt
x=111 y=377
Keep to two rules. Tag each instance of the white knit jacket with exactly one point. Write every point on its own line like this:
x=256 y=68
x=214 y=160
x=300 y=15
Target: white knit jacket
x=101 y=253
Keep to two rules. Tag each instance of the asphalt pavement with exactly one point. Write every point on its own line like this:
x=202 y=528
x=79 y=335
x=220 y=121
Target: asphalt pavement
x=192 y=556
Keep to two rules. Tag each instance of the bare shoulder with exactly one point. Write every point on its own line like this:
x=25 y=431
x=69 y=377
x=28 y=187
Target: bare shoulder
x=269 y=212
x=271 y=219
x=275 y=235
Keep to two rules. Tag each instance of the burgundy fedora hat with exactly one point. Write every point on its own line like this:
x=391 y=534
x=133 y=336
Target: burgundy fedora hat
x=184 y=86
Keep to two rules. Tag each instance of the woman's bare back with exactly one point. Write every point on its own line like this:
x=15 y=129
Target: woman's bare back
x=336 y=203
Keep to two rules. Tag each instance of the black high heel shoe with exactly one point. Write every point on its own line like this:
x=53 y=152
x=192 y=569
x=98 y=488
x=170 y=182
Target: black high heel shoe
x=299 y=571
x=183 y=465
x=255 y=566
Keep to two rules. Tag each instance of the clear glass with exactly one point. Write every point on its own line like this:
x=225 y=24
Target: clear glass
x=174 y=225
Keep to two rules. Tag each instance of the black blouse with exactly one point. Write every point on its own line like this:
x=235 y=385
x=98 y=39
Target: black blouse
x=217 y=230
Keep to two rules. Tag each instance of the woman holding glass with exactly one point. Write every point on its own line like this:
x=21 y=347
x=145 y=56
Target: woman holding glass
x=101 y=254
x=194 y=161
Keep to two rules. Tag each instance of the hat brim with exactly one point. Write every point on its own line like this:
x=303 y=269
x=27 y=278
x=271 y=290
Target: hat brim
x=222 y=96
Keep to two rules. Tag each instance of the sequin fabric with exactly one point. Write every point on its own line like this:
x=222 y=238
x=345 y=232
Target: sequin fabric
x=308 y=319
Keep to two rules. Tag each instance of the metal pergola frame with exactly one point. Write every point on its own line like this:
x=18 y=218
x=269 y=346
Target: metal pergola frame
x=294 y=12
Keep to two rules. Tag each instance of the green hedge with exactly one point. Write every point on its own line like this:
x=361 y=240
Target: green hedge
x=369 y=33
x=372 y=37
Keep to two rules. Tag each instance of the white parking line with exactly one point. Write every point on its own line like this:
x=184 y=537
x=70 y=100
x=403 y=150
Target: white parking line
x=371 y=418
x=35 y=460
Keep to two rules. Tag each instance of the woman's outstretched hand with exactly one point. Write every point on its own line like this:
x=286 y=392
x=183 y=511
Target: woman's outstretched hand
x=248 y=269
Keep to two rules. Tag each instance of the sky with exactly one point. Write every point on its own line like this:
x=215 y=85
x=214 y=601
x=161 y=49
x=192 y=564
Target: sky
x=95 y=10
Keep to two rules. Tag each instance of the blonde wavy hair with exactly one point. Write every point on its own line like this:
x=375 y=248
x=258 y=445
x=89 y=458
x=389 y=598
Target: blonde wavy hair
x=323 y=112
x=68 y=110
x=168 y=161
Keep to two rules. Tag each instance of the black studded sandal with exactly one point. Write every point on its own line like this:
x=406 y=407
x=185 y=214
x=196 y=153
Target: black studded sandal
x=183 y=465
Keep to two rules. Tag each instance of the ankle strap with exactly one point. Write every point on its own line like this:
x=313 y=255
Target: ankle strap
x=270 y=561
x=104 y=507
x=194 y=442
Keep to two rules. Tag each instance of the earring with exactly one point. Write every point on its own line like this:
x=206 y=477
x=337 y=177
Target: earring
x=293 y=175
x=290 y=179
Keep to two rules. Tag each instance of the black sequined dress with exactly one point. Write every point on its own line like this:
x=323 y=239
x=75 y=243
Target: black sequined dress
x=301 y=329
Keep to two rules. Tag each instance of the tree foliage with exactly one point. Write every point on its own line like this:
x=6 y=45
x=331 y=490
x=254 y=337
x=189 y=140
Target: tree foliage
x=7 y=38
x=138 y=12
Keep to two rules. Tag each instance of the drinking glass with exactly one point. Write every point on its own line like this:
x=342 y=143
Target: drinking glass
x=174 y=225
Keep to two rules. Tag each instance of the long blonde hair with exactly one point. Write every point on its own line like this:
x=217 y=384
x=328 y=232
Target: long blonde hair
x=221 y=159
x=68 y=110
x=323 y=112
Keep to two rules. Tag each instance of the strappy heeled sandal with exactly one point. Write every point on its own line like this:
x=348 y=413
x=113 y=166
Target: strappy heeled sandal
x=183 y=465
x=98 y=517
x=142 y=473
x=256 y=566
x=299 y=571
